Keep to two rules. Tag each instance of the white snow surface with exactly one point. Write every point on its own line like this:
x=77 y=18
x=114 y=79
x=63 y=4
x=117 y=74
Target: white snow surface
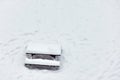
x=43 y=48
x=88 y=30
x=42 y=62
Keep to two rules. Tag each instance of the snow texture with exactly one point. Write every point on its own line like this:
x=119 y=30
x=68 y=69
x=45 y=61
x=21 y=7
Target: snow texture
x=43 y=48
x=42 y=62
x=88 y=30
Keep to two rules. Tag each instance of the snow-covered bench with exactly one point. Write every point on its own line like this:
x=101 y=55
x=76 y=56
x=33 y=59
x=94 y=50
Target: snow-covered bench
x=43 y=56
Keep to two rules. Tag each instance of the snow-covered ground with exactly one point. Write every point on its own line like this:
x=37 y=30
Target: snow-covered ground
x=88 y=30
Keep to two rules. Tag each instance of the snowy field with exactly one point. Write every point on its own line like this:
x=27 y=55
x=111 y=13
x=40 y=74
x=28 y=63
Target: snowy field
x=88 y=30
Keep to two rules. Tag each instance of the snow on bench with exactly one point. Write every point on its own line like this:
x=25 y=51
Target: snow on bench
x=43 y=54
x=37 y=48
x=42 y=62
